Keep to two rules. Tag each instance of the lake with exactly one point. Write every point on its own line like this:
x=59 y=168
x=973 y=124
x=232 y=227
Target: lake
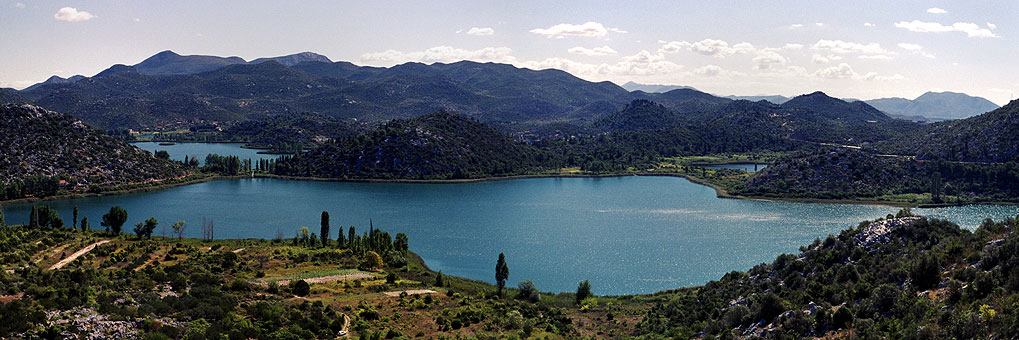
x=200 y=150
x=633 y=234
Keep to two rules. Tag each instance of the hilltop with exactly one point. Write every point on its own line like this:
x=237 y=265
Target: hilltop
x=46 y=151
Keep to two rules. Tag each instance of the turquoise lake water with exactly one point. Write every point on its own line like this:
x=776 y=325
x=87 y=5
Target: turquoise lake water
x=200 y=150
x=624 y=234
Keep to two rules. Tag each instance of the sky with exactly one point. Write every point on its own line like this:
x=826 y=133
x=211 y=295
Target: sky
x=848 y=49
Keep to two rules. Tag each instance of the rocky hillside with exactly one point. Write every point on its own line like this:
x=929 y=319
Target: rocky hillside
x=901 y=277
x=39 y=143
x=990 y=137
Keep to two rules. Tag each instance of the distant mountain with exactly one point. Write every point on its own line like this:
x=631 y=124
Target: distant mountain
x=650 y=88
x=501 y=94
x=37 y=142
x=56 y=80
x=989 y=137
x=294 y=59
x=776 y=99
x=169 y=63
x=439 y=145
x=935 y=105
x=836 y=109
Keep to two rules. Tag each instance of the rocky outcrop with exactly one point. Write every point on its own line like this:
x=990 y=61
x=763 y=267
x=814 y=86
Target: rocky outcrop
x=877 y=232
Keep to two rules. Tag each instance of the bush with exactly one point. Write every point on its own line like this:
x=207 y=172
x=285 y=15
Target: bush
x=300 y=288
x=528 y=291
x=925 y=271
x=769 y=307
x=842 y=319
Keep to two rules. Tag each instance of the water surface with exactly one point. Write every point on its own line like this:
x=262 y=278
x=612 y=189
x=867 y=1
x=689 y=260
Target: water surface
x=624 y=234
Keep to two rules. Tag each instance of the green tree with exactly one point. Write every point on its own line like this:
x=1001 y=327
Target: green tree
x=401 y=242
x=925 y=271
x=3 y=222
x=114 y=219
x=372 y=261
x=84 y=223
x=139 y=229
x=324 y=232
x=74 y=221
x=178 y=229
x=150 y=226
x=162 y=154
x=350 y=236
x=583 y=291
x=341 y=241
x=439 y=280
x=300 y=288
x=501 y=272
x=304 y=235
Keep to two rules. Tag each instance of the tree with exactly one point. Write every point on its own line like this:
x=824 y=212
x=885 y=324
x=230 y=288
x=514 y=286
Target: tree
x=341 y=241
x=43 y=216
x=114 y=219
x=401 y=243
x=303 y=235
x=139 y=229
x=439 y=280
x=925 y=271
x=350 y=236
x=583 y=291
x=324 y=233
x=300 y=288
x=372 y=261
x=178 y=228
x=528 y=291
x=501 y=272
x=2 y=221
x=74 y=222
x=162 y=154
x=150 y=226
x=84 y=223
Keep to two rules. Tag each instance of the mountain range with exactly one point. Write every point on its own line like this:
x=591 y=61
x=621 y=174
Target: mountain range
x=935 y=106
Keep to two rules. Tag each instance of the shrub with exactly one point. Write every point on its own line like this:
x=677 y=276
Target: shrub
x=528 y=291
x=300 y=288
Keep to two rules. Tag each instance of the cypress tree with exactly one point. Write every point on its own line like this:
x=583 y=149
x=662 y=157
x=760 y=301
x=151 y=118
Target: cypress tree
x=74 y=222
x=324 y=232
x=501 y=272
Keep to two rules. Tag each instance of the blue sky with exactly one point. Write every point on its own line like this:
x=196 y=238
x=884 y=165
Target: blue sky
x=860 y=49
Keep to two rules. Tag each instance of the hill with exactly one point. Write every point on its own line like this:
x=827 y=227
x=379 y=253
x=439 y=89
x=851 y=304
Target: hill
x=294 y=59
x=857 y=175
x=56 y=80
x=169 y=63
x=639 y=115
x=935 y=105
x=42 y=147
x=835 y=109
x=651 y=88
x=989 y=137
x=435 y=146
x=775 y=99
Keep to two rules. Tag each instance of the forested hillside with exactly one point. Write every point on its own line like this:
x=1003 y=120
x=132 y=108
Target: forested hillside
x=989 y=137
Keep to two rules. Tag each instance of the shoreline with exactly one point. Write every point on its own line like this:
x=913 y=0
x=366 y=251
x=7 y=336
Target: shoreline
x=720 y=191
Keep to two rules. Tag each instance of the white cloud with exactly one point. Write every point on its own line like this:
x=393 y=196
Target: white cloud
x=992 y=26
x=643 y=63
x=713 y=71
x=19 y=5
x=137 y=20
x=972 y=30
x=867 y=24
x=765 y=59
x=709 y=47
x=822 y=59
x=597 y=51
x=876 y=57
x=440 y=54
x=819 y=24
x=915 y=49
x=844 y=71
x=793 y=46
x=935 y=10
x=839 y=46
x=481 y=31
x=588 y=29
x=795 y=26
x=72 y=14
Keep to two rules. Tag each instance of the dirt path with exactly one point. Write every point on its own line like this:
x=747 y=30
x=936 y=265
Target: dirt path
x=238 y=251
x=411 y=292
x=330 y=278
x=77 y=254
